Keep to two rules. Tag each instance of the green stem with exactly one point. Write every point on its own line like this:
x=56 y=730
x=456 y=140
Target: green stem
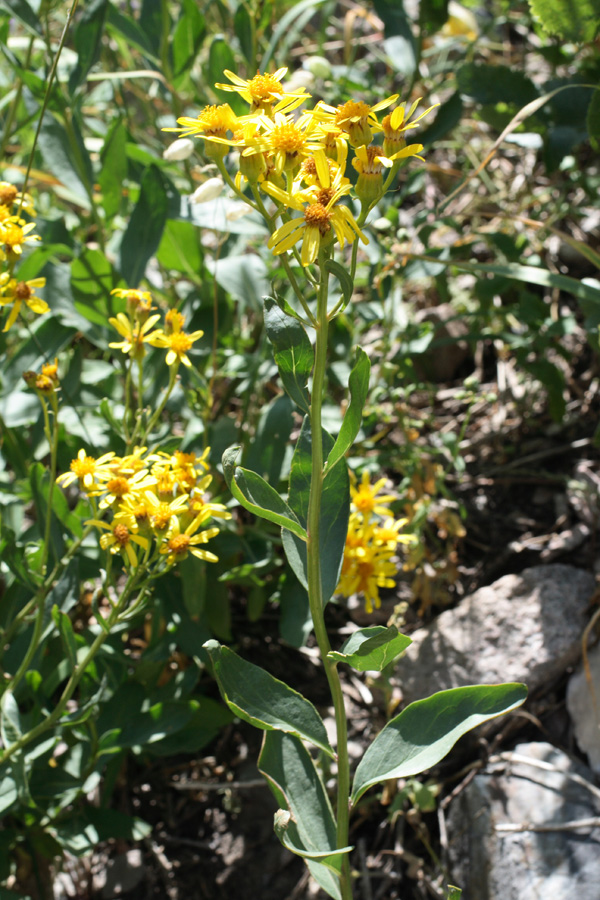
x=157 y=413
x=313 y=569
x=76 y=675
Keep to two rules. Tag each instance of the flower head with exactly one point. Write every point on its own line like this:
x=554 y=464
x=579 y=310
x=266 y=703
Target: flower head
x=19 y=292
x=14 y=234
x=355 y=118
x=178 y=343
x=213 y=124
x=262 y=91
x=134 y=334
x=178 y=543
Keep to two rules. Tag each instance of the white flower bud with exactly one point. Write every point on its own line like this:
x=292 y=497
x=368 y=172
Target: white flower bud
x=318 y=66
x=208 y=190
x=237 y=211
x=179 y=149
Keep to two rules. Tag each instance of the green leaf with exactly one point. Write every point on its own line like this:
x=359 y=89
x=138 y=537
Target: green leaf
x=114 y=168
x=488 y=84
x=292 y=350
x=578 y=22
x=66 y=157
x=127 y=27
x=295 y=620
x=343 y=276
x=447 y=117
x=10 y=720
x=593 y=120
x=67 y=635
x=263 y=701
x=187 y=38
x=8 y=794
x=258 y=497
x=296 y=785
x=22 y=11
x=335 y=511
x=454 y=893
x=267 y=452
x=358 y=385
x=372 y=648
x=180 y=248
x=152 y=24
x=88 y=36
x=427 y=730
x=284 y=26
x=144 y=232
x=287 y=832
x=433 y=14
x=220 y=57
x=243 y=27
x=92 y=280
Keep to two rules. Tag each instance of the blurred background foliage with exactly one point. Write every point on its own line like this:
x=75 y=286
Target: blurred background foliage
x=469 y=271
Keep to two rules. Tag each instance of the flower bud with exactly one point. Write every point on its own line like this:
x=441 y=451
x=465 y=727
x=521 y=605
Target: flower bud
x=318 y=66
x=208 y=190
x=179 y=149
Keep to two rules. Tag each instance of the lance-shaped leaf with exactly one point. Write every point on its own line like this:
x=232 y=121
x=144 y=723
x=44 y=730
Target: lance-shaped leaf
x=344 y=278
x=297 y=786
x=427 y=730
x=258 y=497
x=335 y=510
x=293 y=352
x=358 y=385
x=371 y=649
x=264 y=701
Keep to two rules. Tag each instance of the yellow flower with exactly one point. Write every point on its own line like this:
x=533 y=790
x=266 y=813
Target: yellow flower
x=116 y=487
x=394 y=126
x=14 y=234
x=86 y=469
x=262 y=91
x=321 y=216
x=135 y=334
x=19 y=292
x=212 y=124
x=177 y=343
x=355 y=118
x=11 y=196
x=120 y=539
x=178 y=544
x=365 y=499
x=367 y=565
x=290 y=143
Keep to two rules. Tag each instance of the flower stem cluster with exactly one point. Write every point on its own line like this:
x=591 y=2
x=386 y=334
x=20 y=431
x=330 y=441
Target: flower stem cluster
x=301 y=161
x=15 y=233
x=371 y=544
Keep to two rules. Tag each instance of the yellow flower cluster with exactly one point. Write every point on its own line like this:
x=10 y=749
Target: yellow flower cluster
x=156 y=504
x=135 y=327
x=301 y=162
x=15 y=232
x=373 y=536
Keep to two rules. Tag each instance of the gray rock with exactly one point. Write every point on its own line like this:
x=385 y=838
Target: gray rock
x=122 y=874
x=584 y=712
x=524 y=627
x=492 y=863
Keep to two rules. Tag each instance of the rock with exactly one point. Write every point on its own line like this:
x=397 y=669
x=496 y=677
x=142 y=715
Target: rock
x=585 y=714
x=492 y=863
x=524 y=627
x=122 y=874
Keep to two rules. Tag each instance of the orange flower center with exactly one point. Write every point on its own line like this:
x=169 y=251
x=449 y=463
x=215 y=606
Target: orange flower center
x=174 y=320
x=118 y=486
x=353 y=109
x=287 y=137
x=317 y=215
x=8 y=194
x=121 y=534
x=180 y=343
x=23 y=291
x=264 y=87
x=161 y=517
x=179 y=544
x=216 y=120
x=85 y=466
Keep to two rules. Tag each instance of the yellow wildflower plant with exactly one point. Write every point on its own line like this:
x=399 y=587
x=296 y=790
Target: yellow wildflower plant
x=85 y=470
x=11 y=196
x=213 y=124
x=366 y=498
x=14 y=234
x=18 y=293
x=179 y=543
x=177 y=343
x=355 y=118
x=119 y=539
x=265 y=93
x=135 y=334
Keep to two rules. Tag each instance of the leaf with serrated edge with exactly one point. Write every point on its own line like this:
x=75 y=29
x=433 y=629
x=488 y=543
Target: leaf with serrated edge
x=423 y=733
x=371 y=649
x=264 y=701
